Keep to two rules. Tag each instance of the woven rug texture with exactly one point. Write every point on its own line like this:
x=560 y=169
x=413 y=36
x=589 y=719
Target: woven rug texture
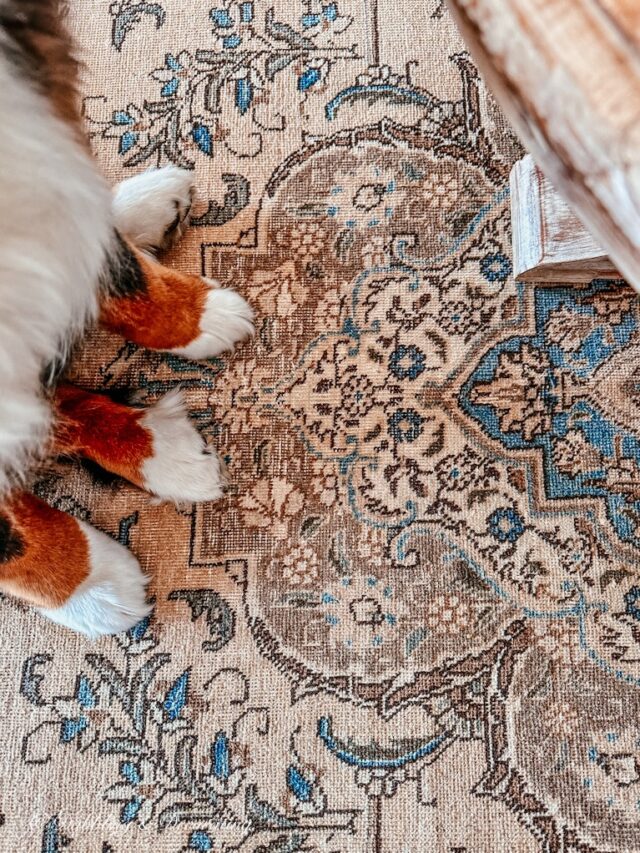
x=413 y=624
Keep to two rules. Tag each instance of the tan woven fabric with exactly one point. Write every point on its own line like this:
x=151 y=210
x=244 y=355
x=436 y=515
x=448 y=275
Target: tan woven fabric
x=414 y=623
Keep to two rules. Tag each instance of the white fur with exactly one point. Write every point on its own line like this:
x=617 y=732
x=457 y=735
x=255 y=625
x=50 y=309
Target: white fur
x=55 y=227
x=182 y=468
x=112 y=599
x=226 y=320
x=146 y=206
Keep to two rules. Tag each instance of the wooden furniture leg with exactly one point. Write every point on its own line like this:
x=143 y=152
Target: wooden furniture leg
x=567 y=74
x=549 y=241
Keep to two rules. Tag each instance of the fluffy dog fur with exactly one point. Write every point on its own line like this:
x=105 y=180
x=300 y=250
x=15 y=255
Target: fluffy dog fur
x=70 y=252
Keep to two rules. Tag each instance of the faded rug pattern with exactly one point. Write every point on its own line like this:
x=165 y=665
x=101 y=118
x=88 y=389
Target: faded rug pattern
x=414 y=623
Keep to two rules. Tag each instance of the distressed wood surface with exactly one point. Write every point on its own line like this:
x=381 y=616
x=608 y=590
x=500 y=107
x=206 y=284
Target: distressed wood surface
x=626 y=15
x=549 y=241
x=567 y=74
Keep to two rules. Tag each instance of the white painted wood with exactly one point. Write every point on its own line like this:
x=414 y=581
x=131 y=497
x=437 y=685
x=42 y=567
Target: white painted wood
x=549 y=241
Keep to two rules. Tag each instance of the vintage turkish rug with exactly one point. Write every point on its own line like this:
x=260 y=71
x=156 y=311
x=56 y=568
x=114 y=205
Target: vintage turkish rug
x=414 y=623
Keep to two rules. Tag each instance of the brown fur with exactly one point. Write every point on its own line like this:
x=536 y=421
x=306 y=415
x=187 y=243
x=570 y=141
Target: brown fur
x=164 y=314
x=41 y=45
x=107 y=433
x=53 y=557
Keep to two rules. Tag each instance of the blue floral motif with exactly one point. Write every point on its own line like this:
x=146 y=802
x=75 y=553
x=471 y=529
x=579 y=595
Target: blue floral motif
x=231 y=23
x=71 y=728
x=125 y=125
x=495 y=267
x=308 y=79
x=164 y=774
x=365 y=610
x=201 y=135
x=200 y=840
x=221 y=18
x=177 y=696
x=202 y=94
x=133 y=779
x=298 y=785
x=632 y=602
x=130 y=809
x=305 y=794
x=128 y=13
x=531 y=372
x=506 y=525
x=53 y=840
x=85 y=693
x=174 y=72
x=130 y=772
x=405 y=425
x=407 y=362
x=138 y=631
x=328 y=13
x=220 y=756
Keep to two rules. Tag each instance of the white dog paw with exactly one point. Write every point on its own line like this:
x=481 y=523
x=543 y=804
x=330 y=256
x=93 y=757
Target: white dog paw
x=182 y=468
x=226 y=320
x=112 y=597
x=152 y=209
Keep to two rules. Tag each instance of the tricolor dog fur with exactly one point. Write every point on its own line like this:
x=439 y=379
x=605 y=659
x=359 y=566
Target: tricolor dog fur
x=73 y=252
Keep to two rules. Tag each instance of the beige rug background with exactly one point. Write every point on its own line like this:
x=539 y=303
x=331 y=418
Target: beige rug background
x=412 y=624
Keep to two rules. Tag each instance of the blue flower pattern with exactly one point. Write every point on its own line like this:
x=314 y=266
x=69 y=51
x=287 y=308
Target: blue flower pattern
x=506 y=525
x=251 y=47
x=405 y=425
x=407 y=362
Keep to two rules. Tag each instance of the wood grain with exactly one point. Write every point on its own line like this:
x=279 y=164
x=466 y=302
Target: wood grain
x=626 y=15
x=549 y=241
x=567 y=74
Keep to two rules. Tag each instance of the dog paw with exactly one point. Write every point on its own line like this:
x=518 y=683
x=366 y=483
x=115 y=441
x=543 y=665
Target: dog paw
x=112 y=597
x=152 y=209
x=226 y=320
x=182 y=468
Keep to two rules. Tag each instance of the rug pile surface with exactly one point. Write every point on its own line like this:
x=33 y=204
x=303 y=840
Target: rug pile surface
x=413 y=624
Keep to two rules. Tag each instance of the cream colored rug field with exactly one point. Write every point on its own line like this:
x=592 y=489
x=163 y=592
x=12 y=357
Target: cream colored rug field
x=414 y=623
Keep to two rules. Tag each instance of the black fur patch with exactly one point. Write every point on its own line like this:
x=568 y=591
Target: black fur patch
x=100 y=476
x=21 y=20
x=123 y=275
x=124 y=396
x=11 y=544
